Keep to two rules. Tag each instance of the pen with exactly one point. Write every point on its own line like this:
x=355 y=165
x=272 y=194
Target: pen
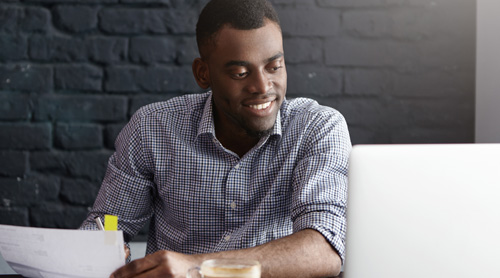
x=99 y=223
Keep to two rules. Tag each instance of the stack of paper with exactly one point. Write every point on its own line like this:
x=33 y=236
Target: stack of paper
x=41 y=252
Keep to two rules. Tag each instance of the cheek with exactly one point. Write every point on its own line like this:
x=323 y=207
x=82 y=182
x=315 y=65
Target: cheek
x=281 y=83
x=223 y=98
x=281 y=78
x=222 y=83
x=226 y=91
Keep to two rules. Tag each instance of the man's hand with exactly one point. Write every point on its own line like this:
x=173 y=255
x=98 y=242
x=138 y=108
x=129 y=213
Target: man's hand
x=303 y=254
x=163 y=263
x=127 y=251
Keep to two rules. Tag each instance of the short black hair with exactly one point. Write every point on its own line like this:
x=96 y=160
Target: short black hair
x=239 y=14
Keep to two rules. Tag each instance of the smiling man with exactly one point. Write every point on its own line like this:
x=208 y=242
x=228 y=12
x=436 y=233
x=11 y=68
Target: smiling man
x=246 y=71
x=236 y=172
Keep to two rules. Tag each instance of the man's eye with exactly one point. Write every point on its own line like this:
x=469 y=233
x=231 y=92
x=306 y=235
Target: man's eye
x=240 y=75
x=275 y=68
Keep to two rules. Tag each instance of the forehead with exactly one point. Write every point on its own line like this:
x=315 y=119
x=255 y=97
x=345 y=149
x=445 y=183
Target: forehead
x=247 y=45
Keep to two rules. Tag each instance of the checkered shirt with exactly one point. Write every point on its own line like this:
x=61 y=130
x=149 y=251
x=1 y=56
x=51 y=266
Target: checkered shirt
x=170 y=168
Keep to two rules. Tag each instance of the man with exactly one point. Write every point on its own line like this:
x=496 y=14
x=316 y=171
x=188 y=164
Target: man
x=235 y=172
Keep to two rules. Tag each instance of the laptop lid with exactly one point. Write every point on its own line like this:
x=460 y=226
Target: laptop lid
x=428 y=211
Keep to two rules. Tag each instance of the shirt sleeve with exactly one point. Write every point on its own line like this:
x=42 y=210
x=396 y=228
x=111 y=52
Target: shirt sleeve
x=126 y=190
x=319 y=196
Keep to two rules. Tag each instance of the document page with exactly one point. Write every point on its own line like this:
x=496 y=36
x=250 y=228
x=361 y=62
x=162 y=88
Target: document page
x=54 y=253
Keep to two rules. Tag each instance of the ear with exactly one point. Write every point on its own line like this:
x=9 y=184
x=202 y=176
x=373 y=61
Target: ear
x=201 y=73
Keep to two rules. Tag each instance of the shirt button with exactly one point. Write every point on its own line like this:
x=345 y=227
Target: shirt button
x=233 y=205
x=237 y=166
x=227 y=238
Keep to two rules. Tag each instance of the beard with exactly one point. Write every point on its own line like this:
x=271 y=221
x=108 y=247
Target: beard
x=255 y=129
x=259 y=133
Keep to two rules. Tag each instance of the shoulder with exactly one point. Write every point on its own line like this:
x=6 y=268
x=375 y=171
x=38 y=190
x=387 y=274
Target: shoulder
x=308 y=110
x=182 y=112
x=318 y=128
x=181 y=105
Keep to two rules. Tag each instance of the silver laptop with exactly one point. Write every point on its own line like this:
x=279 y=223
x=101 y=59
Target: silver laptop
x=426 y=211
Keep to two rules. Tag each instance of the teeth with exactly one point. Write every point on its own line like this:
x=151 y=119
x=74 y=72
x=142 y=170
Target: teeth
x=260 y=106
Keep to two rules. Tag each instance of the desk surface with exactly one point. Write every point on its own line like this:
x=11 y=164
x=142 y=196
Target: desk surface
x=19 y=276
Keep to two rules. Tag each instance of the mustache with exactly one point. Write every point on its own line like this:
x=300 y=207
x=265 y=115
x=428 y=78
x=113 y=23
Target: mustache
x=271 y=95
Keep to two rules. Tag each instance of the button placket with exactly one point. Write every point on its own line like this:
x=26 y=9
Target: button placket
x=233 y=218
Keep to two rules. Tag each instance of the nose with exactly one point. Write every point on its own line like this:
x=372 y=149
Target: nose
x=260 y=83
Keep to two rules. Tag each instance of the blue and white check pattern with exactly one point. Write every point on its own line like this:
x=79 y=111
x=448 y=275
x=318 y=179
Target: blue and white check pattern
x=201 y=198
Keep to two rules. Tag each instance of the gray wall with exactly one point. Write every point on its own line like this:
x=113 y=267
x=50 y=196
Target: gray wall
x=487 y=72
x=73 y=71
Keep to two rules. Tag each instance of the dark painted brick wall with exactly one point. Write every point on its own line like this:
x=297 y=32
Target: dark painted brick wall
x=73 y=71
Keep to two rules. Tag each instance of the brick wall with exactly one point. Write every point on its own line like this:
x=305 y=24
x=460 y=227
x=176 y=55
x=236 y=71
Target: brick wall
x=73 y=71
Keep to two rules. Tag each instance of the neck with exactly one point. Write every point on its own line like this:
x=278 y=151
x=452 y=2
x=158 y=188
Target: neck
x=236 y=140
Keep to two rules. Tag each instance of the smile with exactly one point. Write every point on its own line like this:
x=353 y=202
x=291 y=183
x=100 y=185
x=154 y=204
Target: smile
x=260 y=106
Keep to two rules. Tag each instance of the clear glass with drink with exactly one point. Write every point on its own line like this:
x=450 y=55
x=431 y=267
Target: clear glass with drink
x=226 y=268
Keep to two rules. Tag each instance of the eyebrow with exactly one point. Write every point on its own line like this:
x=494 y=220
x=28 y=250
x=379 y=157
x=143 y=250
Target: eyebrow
x=246 y=63
x=275 y=57
x=237 y=63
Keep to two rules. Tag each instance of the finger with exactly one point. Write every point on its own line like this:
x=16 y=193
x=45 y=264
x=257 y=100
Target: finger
x=127 y=251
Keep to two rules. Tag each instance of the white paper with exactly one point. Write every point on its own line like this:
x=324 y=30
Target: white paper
x=54 y=253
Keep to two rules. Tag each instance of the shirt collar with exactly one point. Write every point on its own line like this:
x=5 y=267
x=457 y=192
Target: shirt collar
x=207 y=120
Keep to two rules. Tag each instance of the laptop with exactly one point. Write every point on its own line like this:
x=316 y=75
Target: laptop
x=426 y=211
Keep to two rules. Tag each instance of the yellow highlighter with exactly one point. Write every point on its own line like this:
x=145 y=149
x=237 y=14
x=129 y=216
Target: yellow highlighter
x=110 y=222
